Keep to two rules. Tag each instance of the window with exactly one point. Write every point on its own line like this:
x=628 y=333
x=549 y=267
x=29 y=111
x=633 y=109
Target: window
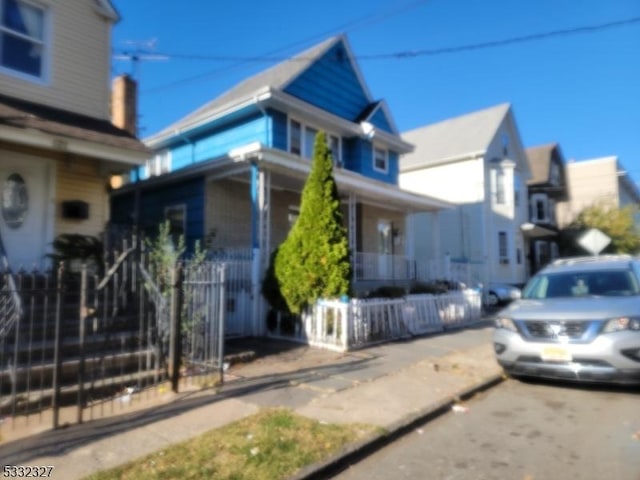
x=309 y=141
x=295 y=137
x=302 y=139
x=555 y=251
x=336 y=151
x=503 y=250
x=22 y=37
x=500 y=196
x=159 y=164
x=294 y=213
x=543 y=253
x=554 y=174
x=380 y=160
x=540 y=208
x=517 y=190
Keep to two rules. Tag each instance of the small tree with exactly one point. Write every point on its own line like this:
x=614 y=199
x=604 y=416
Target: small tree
x=313 y=261
x=617 y=223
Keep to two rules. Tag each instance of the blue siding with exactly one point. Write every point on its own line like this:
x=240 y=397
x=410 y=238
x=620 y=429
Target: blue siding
x=331 y=84
x=279 y=129
x=380 y=120
x=359 y=158
x=153 y=202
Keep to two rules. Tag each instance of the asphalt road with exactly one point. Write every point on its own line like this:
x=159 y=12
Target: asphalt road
x=523 y=431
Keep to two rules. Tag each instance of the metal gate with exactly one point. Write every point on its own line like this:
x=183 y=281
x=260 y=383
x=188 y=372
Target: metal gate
x=83 y=343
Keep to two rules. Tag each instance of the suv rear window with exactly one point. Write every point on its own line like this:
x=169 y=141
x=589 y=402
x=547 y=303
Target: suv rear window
x=606 y=283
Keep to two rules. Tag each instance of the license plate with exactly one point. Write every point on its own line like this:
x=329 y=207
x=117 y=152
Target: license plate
x=556 y=354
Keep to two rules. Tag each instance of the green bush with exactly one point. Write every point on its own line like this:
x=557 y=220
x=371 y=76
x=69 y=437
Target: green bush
x=313 y=262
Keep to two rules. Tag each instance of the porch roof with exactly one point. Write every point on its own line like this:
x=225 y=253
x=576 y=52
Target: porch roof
x=291 y=170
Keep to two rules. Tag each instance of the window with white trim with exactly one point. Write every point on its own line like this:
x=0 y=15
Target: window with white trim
x=335 y=145
x=380 y=160
x=540 y=208
x=503 y=248
x=160 y=163
x=23 y=43
x=302 y=139
x=500 y=197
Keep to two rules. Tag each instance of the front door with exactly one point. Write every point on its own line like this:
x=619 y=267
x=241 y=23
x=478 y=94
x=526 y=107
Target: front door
x=24 y=219
x=385 y=251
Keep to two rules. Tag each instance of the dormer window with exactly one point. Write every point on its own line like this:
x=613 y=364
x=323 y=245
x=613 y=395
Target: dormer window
x=380 y=160
x=22 y=38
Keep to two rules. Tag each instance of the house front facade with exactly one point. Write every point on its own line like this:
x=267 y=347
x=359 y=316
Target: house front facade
x=232 y=172
x=547 y=187
x=57 y=143
x=598 y=181
x=477 y=162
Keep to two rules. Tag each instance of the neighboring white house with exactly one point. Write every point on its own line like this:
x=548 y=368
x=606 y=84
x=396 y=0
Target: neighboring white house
x=477 y=162
x=597 y=181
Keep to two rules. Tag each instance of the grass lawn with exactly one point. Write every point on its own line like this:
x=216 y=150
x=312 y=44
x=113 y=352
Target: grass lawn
x=270 y=445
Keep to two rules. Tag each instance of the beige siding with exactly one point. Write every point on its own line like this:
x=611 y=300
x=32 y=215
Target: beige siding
x=80 y=179
x=369 y=231
x=282 y=202
x=229 y=214
x=79 y=62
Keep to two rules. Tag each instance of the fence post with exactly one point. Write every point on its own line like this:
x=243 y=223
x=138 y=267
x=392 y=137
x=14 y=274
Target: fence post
x=57 y=360
x=175 y=339
x=81 y=339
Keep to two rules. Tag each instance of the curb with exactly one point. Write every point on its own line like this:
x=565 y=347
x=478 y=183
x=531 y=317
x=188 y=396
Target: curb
x=360 y=450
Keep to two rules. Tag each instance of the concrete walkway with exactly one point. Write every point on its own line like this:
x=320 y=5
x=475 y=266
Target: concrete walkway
x=393 y=386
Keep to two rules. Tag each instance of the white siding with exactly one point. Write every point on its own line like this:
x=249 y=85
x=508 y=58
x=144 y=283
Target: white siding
x=79 y=62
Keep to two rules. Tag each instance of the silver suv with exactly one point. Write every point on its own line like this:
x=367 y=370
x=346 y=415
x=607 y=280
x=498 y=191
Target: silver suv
x=578 y=319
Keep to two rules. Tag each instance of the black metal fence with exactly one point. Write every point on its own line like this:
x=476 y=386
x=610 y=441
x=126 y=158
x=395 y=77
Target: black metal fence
x=82 y=342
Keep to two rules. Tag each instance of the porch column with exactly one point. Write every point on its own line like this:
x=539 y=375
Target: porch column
x=409 y=245
x=352 y=231
x=260 y=233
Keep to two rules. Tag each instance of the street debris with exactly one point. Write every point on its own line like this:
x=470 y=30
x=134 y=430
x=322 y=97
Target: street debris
x=457 y=408
x=636 y=436
x=254 y=451
x=419 y=431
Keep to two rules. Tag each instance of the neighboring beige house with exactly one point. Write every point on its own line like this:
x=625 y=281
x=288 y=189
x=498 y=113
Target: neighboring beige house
x=58 y=146
x=596 y=181
x=477 y=162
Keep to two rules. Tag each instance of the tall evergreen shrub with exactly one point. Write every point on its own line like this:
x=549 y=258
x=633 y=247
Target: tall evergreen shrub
x=313 y=261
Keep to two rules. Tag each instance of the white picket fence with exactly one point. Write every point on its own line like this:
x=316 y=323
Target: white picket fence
x=357 y=323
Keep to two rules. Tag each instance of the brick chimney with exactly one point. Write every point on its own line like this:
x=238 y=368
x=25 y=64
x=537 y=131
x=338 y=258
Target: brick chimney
x=124 y=104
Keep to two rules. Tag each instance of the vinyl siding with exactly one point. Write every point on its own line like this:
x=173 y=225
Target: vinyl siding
x=369 y=228
x=80 y=179
x=331 y=84
x=79 y=60
x=380 y=120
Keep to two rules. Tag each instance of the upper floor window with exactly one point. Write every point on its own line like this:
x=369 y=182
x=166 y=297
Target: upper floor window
x=380 y=160
x=302 y=139
x=541 y=209
x=499 y=185
x=160 y=163
x=22 y=37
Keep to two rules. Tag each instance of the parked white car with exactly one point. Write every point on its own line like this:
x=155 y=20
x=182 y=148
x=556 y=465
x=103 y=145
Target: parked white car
x=502 y=294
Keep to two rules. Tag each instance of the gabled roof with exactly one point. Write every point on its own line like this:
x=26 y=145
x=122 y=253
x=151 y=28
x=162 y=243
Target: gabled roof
x=539 y=159
x=281 y=81
x=29 y=116
x=454 y=138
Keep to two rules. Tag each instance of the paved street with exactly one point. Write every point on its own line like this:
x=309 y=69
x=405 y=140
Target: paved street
x=529 y=431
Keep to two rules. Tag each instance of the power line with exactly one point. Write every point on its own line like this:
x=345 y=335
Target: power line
x=268 y=57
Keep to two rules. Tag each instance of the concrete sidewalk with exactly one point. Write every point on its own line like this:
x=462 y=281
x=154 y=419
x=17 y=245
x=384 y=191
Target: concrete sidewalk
x=394 y=386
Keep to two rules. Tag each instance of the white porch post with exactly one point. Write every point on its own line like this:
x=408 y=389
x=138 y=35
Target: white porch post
x=409 y=245
x=435 y=238
x=352 y=231
x=260 y=231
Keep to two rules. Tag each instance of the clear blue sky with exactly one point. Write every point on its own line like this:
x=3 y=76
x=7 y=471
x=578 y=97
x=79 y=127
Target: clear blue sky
x=581 y=90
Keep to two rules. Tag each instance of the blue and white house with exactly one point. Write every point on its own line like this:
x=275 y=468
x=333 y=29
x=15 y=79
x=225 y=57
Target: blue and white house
x=232 y=171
